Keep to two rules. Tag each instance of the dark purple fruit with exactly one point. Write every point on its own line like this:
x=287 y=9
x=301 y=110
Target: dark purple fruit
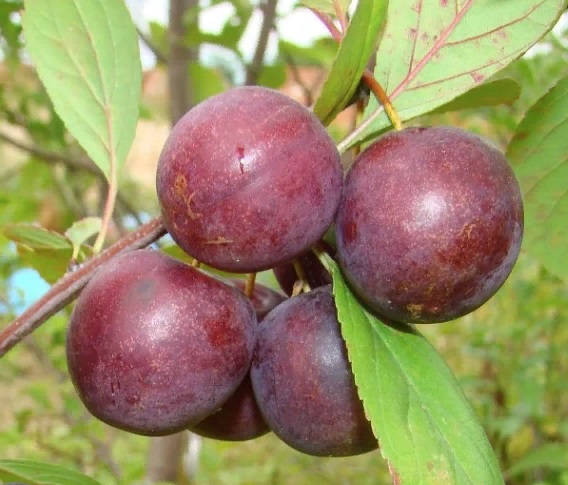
x=263 y=299
x=430 y=224
x=315 y=273
x=303 y=382
x=155 y=345
x=239 y=419
x=248 y=179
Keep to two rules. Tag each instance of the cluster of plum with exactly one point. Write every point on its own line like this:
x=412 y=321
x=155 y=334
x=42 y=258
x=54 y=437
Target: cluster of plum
x=428 y=225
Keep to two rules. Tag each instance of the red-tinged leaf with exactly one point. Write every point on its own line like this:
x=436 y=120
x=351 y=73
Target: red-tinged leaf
x=434 y=50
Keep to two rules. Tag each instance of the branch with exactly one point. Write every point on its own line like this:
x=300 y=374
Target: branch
x=254 y=68
x=73 y=163
x=68 y=288
x=53 y=157
x=160 y=56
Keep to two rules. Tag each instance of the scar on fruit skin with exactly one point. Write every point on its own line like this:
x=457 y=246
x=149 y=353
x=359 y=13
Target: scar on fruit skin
x=415 y=309
x=180 y=190
x=467 y=228
x=219 y=240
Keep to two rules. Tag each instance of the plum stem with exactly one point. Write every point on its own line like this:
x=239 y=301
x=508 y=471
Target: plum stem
x=69 y=286
x=195 y=263
x=107 y=213
x=302 y=280
x=368 y=77
x=382 y=98
x=249 y=285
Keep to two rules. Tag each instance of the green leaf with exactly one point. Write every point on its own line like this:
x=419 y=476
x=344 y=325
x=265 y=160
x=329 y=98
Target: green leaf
x=356 y=48
x=205 y=82
x=272 y=75
x=47 y=251
x=35 y=237
x=551 y=455
x=426 y=429
x=86 y=55
x=83 y=229
x=539 y=155
x=492 y=93
x=51 y=264
x=34 y=473
x=432 y=53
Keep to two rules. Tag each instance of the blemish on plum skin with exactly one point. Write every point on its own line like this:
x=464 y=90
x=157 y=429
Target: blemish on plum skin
x=219 y=240
x=443 y=3
x=241 y=156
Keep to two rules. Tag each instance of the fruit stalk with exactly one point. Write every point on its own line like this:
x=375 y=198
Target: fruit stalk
x=67 y=288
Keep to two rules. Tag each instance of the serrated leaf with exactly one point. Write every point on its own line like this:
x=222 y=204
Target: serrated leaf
x=83 y=229
x=492 y=93
x=539 y=155
x=434 y=50
x=86 y=55
x=551 y=455
x=357 y=46
x=427 y=431
x=35 y=236
x=35 y=473
x=326 y=6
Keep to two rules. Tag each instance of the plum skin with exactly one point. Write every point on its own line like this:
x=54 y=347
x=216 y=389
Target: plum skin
x=430 y=224
x=248 y=179
x=239 y=419
x=303 y=382
x=155 y=345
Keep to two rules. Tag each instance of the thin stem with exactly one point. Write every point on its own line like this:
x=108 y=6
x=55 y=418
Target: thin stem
x=249 y=285
x=341 y=15
x=158 y=54
x=383 y=98
x=107 y=213
x=67 y=288
x=83 y=164
x=369 y=79
x=301 y=274
x=328 y=22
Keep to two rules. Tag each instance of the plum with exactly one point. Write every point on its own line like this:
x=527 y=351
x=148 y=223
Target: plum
x=248 y=179
x=239 y=419
x=155 y=345
x=302 y=379
x=430 y=224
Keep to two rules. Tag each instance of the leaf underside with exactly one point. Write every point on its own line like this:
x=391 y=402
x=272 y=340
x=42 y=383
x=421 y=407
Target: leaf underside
x=539 y=155
x=434 y=50
x=87 y=57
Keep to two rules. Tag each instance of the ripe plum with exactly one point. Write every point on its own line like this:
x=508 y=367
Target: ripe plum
x=239 y=419
x=248 y=179
x=430 y=224
x=155 y=345
x=303 y=382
